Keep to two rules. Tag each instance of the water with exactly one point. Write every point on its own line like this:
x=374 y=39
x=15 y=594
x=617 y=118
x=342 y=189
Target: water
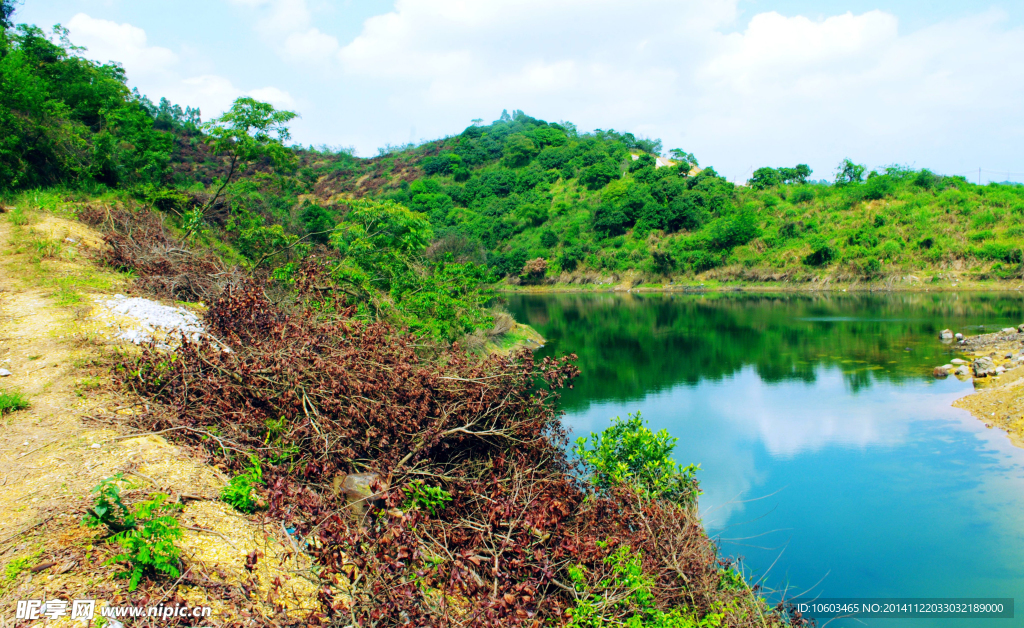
x=831 y=460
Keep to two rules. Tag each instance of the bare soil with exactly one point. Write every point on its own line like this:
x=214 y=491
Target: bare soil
x=75 y=434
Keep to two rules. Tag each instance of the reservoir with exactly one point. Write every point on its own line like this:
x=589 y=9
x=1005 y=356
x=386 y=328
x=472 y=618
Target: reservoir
x=831 y=460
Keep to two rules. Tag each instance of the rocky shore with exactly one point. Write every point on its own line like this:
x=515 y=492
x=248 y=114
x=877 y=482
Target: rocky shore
x=994 y=362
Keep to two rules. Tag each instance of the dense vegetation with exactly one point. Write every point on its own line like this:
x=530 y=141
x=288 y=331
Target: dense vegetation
x=576 y=206
x=340 y=318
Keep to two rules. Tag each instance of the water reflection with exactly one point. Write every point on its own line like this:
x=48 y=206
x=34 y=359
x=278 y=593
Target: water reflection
x=828 y=452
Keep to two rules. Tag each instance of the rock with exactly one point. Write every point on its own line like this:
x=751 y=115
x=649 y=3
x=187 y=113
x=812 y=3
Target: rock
x=946 y=334
x=983 y=367
x=1020 y=329
x=963 y=371
x=958 y=361
x=359 y=492
x=958 y=336
x=1000 y=370
x=1009 y=356
x=5 y=373
x=1020 y=358
x=1008 y=330
x=940 y=372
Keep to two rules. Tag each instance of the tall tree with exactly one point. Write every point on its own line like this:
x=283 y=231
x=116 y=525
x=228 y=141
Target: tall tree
x=251 y=130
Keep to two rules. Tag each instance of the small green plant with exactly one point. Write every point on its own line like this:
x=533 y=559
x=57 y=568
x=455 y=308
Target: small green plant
x=145 y=533
x=240 y=491
x=151 y=545
x=17 y=566
x=12 y=401
x=108 y=509
x=627 y=599
x=87 y=384
x=628 y=452
x=432 y=498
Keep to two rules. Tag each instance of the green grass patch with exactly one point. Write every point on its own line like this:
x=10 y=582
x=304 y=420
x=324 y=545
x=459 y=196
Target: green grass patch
x=12 y=401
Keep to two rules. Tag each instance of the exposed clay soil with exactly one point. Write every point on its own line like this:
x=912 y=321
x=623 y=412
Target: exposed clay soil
x=76 y=433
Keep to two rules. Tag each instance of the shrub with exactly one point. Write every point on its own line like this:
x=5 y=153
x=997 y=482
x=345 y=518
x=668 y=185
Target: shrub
x=150 y=547
x=145 y=533
x=535 y=269
x=628 y=452
x=822 y=252
x=12 y=401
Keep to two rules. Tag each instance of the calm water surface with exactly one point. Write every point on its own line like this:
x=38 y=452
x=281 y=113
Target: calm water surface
x=830 y=460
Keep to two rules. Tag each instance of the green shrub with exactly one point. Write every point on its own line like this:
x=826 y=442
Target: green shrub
x=628 y=452
x=822 y=252
x=629 y=595
x=12 y=401
x=145 y=533
x=150 y=547
x=240 y=492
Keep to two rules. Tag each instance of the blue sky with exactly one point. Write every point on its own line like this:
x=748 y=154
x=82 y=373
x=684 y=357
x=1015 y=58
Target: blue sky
x=740 y=83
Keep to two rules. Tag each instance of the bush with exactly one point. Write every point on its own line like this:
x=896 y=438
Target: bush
x=535 y=269
x=628 y=452
x=145 y=533
x=822 y=252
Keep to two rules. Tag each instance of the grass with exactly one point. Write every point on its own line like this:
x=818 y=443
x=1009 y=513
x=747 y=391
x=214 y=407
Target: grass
x=12 y=402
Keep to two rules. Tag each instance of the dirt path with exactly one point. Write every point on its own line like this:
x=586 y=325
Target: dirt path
x=73 y=436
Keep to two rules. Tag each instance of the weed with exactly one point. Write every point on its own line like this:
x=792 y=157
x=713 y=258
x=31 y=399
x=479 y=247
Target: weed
x=108 y=509
x=151 y=545
x=12 y=401
x=17 y=566
x=432 y=498
x=145 y=533
x=46 y=248
x=87 y=384
x=240 y=492
x=18 y=217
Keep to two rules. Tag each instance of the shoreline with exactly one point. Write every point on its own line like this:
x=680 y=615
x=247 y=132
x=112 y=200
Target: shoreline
x=752 y=288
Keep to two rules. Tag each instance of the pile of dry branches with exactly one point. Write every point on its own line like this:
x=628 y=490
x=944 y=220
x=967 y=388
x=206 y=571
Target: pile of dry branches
x=138 y=241
x=317 y=399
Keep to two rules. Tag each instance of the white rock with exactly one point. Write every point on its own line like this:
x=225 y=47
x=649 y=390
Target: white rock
x=5 y=373
x=95 y=445
x=958 y=361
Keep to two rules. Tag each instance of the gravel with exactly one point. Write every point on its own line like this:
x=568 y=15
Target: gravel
x=155 y=320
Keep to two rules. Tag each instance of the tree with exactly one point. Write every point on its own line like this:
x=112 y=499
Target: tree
x=849 y=173
x=6 y=12
x=249 y=131
x=680 y=155
x=379 y=240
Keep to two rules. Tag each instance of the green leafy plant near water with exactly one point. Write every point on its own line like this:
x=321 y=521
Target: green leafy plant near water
x=145 y=531
x=625 y=598
x=628 y=452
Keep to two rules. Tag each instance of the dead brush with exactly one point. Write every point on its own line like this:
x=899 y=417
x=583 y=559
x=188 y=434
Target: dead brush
x=316 y=398
x=503 y=323
x=138 y=241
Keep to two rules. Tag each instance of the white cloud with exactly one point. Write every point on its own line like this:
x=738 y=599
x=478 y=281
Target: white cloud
x=778 y=91
x=124 y=43
x=157 y=71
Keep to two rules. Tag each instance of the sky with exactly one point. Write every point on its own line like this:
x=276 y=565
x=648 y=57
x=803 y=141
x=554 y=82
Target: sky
x=740 y=83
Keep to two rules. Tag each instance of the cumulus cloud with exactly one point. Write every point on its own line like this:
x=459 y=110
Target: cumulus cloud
x=779 y=89
x=124 y=43
x=158 y=71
